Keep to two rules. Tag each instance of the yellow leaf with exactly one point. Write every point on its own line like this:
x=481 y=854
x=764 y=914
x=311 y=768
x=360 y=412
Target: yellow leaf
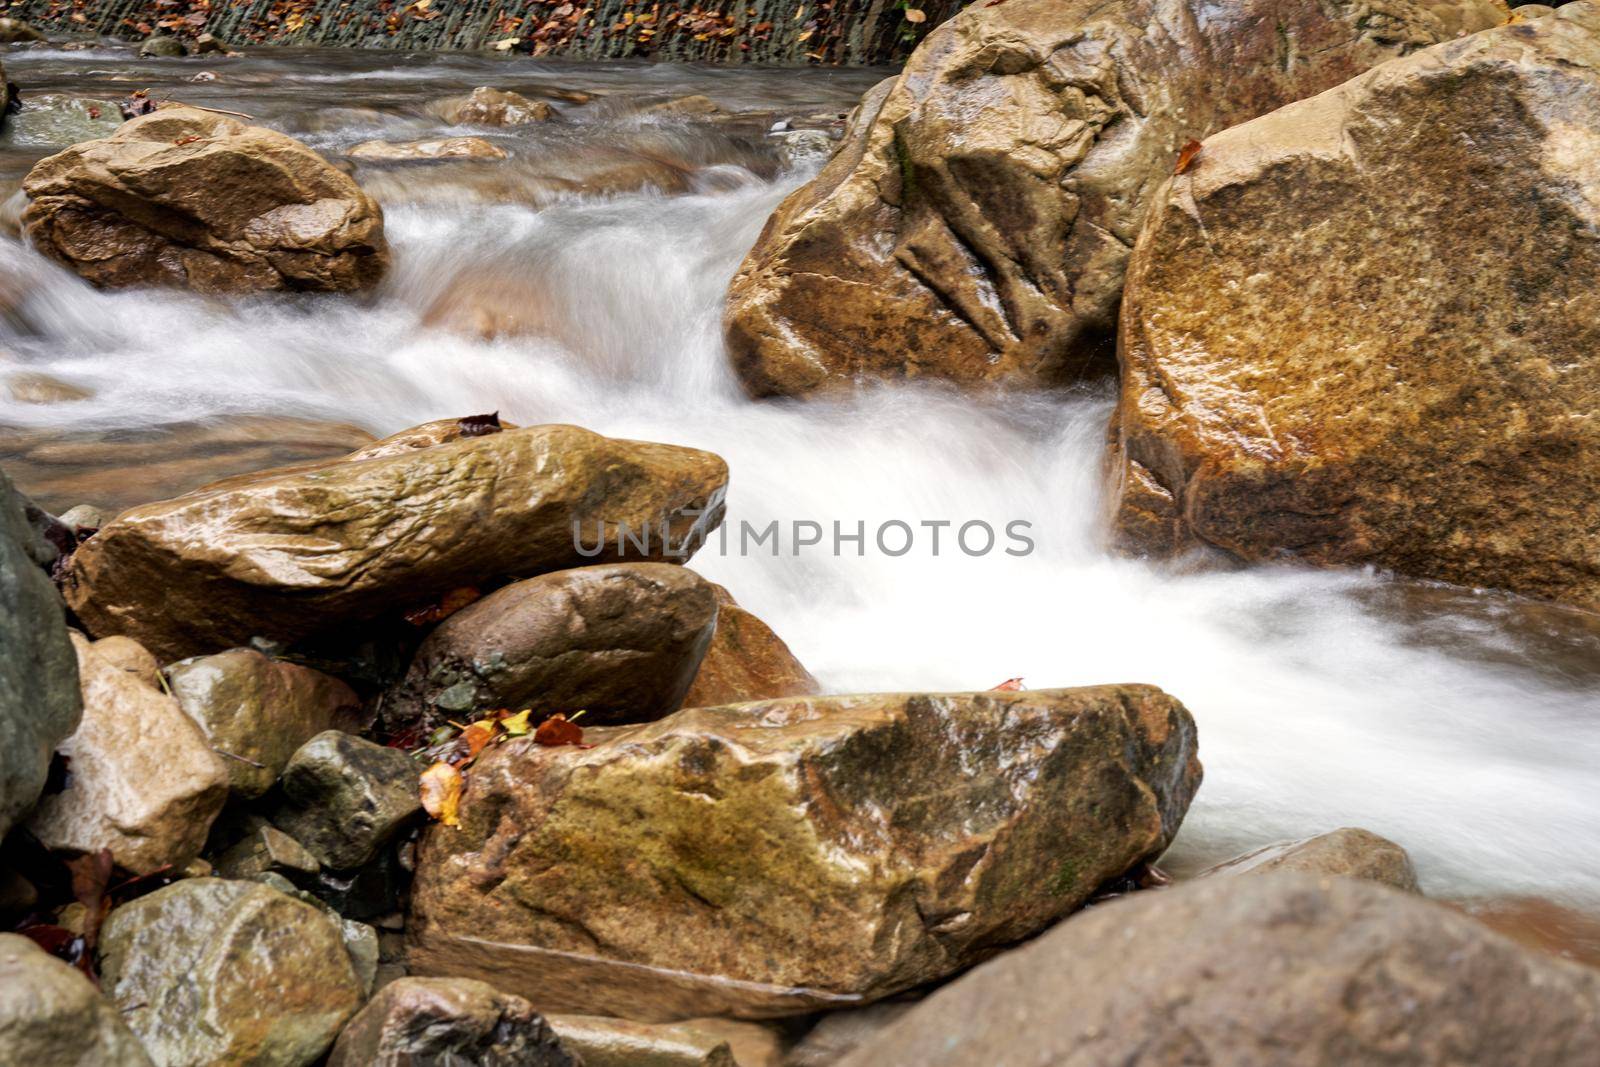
x=804 y=35
x=517 y=725
x=441 y=793
x=916 y=15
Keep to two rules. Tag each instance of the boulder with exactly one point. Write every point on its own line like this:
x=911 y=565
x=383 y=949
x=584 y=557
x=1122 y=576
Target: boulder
x=142 y=780
x=976 y=222
x=746 y=661
x=449 y=1021
x=345 y=797
x=162 y=46
x=620 y=641
x=228 y=973
x=1426 y=407
x=839 y=1033
x=195 y=199
x=413 y=151
x=259 y=710
x=606 y=1042
x=51 y=1016
x=1349 y=852
x=40 y=702
x=491 y=107
x=266 y=850
x=773 y=858
x=290 y=554
x=15 y=31
x=209 y=44
x=1284 y=968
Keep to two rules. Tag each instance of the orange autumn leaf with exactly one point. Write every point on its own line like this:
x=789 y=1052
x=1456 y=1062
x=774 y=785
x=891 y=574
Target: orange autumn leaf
x=1010 y=685
x=441 y=793
x=1186 y=155
x=446 y=606
x=475 y=737
x=558 y=730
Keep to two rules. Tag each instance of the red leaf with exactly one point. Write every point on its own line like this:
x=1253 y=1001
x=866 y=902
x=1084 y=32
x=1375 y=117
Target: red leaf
x=1010 y=685
x=1187 y=155
x=558 y=730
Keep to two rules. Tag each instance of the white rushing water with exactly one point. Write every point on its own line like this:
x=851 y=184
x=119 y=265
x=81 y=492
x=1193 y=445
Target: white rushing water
x=1320 y=702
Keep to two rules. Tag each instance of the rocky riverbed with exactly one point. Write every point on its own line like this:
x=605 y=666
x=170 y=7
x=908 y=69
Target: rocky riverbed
x=1038 y=559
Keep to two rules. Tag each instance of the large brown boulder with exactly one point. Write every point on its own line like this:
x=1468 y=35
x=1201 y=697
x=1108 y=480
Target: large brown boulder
x=486 y=106
x=196 y=199
x=620 y=641
x=772 y=858
x=1258 y=972
x=746 y=661
x=51 y=1016
x=1354 y=333
x=288 y=554
x=976 y=222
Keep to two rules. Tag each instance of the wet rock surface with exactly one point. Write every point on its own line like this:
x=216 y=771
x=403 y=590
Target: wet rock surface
x=746 y=661
x=422 y=151
x=142 y=779
x=40 y=703
x=606 y=1042
x=1330 y=971
x=228 y=973
x=976 y=223
x=51 y=1016
x=189 y=198
x=619 y=641
x=446 y=1021
x=346 y=797
x=1347 y=852
x=771 y=858
x=259 y=710
x=1444 y=432
x=291 y=554
x=485 y=106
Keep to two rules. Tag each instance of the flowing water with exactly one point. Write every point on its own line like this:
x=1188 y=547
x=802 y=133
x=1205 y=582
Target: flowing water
x=1465 y=726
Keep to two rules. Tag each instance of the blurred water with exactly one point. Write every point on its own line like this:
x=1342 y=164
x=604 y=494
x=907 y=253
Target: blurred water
x=1465 y=726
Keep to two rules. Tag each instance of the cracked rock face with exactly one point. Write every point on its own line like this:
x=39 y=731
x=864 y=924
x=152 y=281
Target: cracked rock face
x=189 y=198
x=772 y=858
x=1258 y=972
x=1363 y=329
x=976 y=223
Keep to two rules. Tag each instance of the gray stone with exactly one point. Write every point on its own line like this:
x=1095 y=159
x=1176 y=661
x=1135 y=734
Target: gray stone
x=39 y=699
x=346 y=797
x=1349 y=852
x=51 y=1016
x=418 y=1021
x=162 y=46
x=267 y=849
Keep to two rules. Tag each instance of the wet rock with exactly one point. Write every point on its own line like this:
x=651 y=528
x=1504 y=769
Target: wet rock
x=491 y=107
x=228 y=973
x=976 y=222
x=746 y=661
x=118 y=469
x=296 y=553
x=29 y=387
x=409 y=151
x=1444 y=432
x=162 y=46
x=684 y=105
x=259 y=710
x=195 y=199
x=769 y=859
x=207 y=44
x=345 y=797
x=51 y=1016
x=15 y=31
x=49 y=120
x=267 y=850
x=839 y=1033
x=142 y=779
x=366 y=893
x=488 y=304
x=1348 y=852
x=1330 y=971
x=40 y=703
x=448 y=1020
x=606 y=1042
x=620 y=641
x=82 y=517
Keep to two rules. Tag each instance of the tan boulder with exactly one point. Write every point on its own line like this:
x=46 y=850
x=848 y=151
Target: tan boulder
x=773 y=858
x=1347 y=852
x=619 y=641
x=287 y=555
x=412 y=151
x=51 y=1016
x=143 y=781
x=485 y=106
x=229 y=974
x=976 y=222
x=607 y=1042
x=1258 y=972
x=199 y=200
x=415 y=1022
x=259 y=710
x=1353 y=334
x=746 y=661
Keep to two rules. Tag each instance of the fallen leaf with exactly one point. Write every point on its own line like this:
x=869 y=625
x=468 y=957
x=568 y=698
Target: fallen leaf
x=517 y=725
x=480 y=425
x=558 y=730
x=1010 y=685
x=446 y=606
x=475 y=738
x=1186 y=155
x=441 y=793
x=914 y=15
